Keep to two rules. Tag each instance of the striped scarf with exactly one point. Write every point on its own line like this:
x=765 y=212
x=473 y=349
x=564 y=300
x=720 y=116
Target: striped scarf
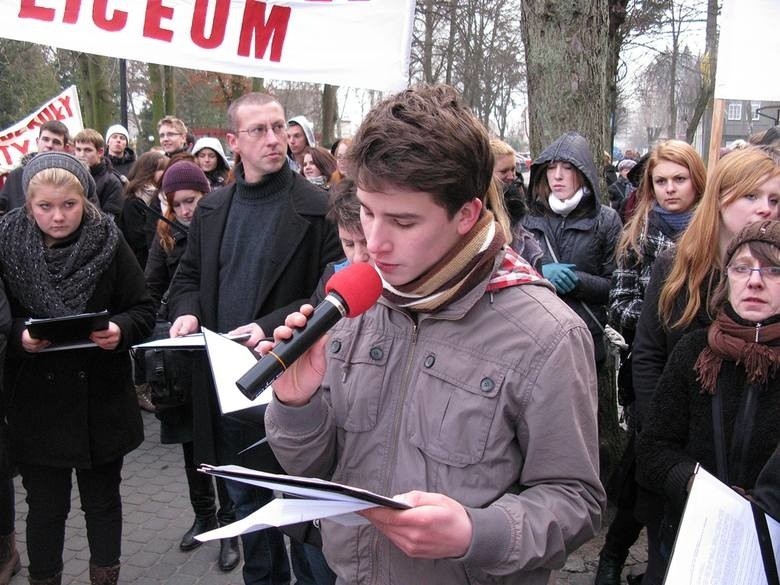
x=461 y=269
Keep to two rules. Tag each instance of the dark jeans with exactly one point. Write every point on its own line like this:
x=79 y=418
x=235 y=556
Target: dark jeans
x=265 y=556
x=48 y=497
x=7 y=508
x=312 y=569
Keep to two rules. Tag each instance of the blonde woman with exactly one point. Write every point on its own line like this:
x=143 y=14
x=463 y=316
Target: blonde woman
x=672 y=185
x=73 y=409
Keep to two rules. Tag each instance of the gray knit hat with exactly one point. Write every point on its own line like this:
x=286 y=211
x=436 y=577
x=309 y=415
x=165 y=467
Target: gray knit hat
x=60 y=160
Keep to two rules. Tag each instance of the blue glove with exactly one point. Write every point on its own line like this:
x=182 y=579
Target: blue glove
x=561 y=275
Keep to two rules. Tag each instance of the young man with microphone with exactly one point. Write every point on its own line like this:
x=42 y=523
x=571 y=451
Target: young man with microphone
x=468 y=390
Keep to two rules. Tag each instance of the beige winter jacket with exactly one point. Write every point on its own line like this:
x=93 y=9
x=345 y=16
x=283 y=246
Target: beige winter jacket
x=491 y=401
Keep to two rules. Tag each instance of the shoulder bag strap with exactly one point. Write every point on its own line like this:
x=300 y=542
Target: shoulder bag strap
x=719 y=437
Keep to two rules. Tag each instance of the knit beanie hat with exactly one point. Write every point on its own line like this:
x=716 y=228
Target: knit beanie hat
x=117 y=129
x=60 y=160
x=184 y=175
x=308 y=129
x=767 y=231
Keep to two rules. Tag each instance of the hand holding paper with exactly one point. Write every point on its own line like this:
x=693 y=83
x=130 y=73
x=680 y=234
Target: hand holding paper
x=436 y=527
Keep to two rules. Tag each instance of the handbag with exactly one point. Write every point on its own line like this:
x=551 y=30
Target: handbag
x=168 y=372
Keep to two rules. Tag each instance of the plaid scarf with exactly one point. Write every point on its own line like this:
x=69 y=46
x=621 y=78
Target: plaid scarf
x=462 y=269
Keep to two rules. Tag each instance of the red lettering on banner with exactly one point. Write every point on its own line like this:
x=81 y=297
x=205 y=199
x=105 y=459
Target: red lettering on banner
x=28 y=9
x=254 y=22
x=155 y=12
x=99 y=16
x=23 y=148
x=65 y=101
x=4 y=151
x=72 y=9
x=13 y=134
x=198 y=30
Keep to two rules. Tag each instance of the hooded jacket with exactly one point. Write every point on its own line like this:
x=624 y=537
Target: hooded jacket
x=587 y=237
x=122 y=164
x=466 y=401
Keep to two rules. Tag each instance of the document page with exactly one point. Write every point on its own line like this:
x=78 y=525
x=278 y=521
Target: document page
x=717 y=543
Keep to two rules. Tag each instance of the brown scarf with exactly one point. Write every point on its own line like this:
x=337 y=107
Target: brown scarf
x=470 y=261
x=756 y=347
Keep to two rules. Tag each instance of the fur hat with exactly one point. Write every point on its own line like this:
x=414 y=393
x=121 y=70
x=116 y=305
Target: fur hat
x=60 y=160
x=212 y=143
x=767 y=231
x=184 y=175
x=117 y=129
x=308 y=129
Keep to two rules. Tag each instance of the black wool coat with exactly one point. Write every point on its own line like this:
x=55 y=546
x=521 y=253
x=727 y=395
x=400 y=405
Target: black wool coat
x=679 y=432
x=305 y=244
x=78 y=408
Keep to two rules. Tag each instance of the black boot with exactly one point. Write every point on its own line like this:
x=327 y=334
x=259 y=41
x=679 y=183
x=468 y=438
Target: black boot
x=202 y=500
x=229 y=557
x=610 y=568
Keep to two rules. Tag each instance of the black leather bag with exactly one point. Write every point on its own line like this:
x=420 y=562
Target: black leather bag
x=168 y=372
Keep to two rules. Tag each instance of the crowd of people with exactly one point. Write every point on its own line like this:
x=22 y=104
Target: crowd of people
x=470 y=391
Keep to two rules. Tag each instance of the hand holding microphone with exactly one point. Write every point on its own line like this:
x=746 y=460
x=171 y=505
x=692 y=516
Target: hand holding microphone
x=351 y=292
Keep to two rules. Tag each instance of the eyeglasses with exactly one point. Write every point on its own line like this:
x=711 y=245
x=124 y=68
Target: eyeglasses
x=165 y=135
x=743 y=272
x=259 y=131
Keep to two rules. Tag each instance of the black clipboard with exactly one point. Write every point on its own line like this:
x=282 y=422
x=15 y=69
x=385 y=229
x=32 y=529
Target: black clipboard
x=67 y=329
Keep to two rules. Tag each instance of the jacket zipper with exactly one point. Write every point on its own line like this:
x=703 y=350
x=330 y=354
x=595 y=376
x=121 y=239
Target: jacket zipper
x=758 y=327
x=394 y=439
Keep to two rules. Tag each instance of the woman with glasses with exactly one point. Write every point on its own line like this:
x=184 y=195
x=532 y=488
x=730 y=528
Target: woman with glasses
x=717 y=403
x=744 y=188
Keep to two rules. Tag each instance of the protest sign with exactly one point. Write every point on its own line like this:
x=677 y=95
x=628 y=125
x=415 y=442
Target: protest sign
x=19 y=139
x=358 y=43
x=748 y=43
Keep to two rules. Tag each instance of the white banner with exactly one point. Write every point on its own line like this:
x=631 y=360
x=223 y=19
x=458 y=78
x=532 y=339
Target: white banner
x=748 y=45
x=357 y=43
x=19 y=139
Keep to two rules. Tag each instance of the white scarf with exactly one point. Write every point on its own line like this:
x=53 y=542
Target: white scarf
x=564 y=208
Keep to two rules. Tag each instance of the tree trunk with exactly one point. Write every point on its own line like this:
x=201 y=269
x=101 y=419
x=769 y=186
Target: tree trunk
x=157 y=94
x=330 y=110
x=566 y=53
x=617 y=16
x=427 y=56
x=99 y=107
x=258 y=84
x=170 y=90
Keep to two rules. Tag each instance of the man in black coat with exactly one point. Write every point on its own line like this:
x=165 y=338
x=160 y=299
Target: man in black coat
x=53 y=135
x=255 y=252
x=119 y=153
x=89 y=149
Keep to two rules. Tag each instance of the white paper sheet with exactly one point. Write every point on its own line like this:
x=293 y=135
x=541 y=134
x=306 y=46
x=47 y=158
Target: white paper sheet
x=191 y=341
x=229 y=361
x=717 y=542
x=283 y=512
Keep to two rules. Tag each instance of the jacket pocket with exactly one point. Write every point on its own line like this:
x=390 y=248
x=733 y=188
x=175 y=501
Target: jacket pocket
x=453 y=407
x=356 y=375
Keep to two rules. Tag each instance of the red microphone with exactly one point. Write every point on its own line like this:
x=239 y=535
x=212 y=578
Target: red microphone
x=351 y=292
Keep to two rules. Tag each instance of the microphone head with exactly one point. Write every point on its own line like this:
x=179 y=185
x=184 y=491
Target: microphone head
x=359 y=286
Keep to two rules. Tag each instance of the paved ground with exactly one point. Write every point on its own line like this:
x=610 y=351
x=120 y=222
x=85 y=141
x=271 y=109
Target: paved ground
x=157 y=512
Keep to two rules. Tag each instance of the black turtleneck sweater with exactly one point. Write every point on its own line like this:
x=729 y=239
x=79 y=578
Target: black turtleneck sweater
x=252 y=224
